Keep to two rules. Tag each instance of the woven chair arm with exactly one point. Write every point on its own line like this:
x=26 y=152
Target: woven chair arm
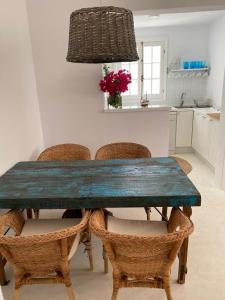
x=97 y=225
x=49 y=237
x=13 y=219
x=179 y=222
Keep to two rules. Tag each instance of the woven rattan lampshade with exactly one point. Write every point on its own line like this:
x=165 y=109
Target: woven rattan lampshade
x=102 y=35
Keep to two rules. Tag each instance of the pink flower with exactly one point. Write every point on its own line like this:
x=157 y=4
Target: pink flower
x=115 y=83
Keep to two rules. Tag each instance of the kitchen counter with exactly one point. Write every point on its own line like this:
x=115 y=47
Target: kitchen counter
x=150 y=108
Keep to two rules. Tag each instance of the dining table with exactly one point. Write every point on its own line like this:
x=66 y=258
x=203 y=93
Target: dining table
x=90 y=184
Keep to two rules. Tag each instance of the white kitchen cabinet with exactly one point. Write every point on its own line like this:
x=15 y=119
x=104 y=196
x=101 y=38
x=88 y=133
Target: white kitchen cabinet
x=206 y=137
x=195 y=136
x=223 y=173
x=200 y=142
x=172 y=130
x=214 y=130
x=184 y=128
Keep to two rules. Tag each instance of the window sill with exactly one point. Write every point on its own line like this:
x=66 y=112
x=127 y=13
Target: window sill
x=149 y=108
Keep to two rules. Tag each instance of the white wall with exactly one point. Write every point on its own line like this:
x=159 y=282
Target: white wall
x=186 y=43
x=183 y=5
x=220 y=166
x=217 y=61
x=222 y=137
x=71 y=102
x=20 y=126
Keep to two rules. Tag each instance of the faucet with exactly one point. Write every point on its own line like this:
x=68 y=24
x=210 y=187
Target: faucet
x=182 y=99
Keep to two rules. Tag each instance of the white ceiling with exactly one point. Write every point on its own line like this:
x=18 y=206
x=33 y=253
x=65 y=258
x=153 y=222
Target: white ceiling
x=177 y=19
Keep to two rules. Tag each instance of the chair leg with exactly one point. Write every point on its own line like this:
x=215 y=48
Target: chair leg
x=106 y=263
x=88 y=247
x=3 y=280
x=29 y=213
x=16 y=294
x=115 y=293
x=36 y=213
x=168 y=293
x=70 y=293
x=164 y=213
x=148 y=212
x=90 y=255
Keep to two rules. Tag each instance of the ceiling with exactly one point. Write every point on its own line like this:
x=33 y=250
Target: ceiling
x=177 y=19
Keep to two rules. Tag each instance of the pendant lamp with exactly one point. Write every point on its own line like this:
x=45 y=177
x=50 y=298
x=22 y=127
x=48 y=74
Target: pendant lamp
x=102 y=35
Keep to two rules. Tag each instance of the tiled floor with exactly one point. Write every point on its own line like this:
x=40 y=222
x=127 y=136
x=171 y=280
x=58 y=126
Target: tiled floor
x=206 y=267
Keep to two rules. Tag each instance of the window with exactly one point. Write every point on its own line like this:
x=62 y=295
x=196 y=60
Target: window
x=148 y=74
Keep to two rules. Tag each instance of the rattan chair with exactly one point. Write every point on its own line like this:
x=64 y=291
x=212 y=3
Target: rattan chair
x=41 y=249
x=141 y=252
x=64 y=152
x=124 y=151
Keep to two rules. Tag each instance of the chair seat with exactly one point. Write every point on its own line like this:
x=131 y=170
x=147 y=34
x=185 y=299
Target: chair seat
x=136 y=227
x=44 y=226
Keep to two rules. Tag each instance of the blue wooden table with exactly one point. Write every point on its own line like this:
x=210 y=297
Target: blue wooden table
x=93 y=184
x=151 y=182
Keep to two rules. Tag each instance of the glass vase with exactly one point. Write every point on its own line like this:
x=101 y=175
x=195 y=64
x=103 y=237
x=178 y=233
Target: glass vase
x=115 y=100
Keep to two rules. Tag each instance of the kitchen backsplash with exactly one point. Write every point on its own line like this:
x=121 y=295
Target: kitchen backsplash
x=194 y=88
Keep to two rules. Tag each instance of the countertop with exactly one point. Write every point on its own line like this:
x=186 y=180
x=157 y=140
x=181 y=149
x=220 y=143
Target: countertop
x=149 y=108
x=210 y=112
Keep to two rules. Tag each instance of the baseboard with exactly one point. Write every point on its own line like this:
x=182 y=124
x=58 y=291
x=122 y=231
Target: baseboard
x=184 y=150
x=204 y=160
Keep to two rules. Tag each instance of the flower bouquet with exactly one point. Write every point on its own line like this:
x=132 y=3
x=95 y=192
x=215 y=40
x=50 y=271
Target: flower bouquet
x=115 y=84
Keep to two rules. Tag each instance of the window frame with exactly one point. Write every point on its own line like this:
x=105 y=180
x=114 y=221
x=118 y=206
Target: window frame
x=163 y=70
x=134 y=100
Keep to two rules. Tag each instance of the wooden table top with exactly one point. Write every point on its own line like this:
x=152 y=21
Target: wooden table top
x=93 y=184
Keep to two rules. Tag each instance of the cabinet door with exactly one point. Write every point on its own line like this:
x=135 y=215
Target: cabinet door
x=214 y=130
x=195 y=137
x=184 y=129
x=203 y=136
x=172 y=140
x=223 y=174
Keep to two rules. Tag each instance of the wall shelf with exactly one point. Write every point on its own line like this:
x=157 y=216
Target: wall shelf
x=188 y=73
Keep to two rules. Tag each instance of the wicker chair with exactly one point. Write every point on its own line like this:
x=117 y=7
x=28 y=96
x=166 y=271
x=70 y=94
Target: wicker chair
x=124 y=151
x=41 y=249
x=141 y=252
x=63 y=152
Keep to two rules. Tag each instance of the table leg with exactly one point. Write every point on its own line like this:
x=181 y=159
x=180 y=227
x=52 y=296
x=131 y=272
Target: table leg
x=164 y=212
x=3 y=280
x=29 y=213
x=187 y=210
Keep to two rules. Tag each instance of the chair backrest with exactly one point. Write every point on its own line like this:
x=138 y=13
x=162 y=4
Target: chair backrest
x=65 y=152
x=143 y=255
x=122 y=151
x=36 y=255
